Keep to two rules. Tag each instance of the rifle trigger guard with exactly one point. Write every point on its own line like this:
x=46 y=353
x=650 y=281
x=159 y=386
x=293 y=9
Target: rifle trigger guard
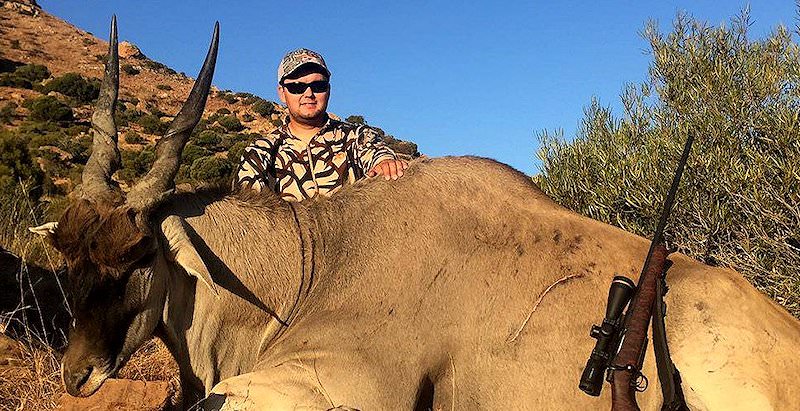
x=639 y=381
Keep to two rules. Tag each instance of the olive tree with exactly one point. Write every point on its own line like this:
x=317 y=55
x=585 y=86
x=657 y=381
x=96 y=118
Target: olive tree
x=739 y=202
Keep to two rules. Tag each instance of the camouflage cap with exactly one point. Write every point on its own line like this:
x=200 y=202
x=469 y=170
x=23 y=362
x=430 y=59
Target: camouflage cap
x=296 y=58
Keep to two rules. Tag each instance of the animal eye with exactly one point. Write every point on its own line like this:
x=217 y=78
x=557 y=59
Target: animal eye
x=147 y=260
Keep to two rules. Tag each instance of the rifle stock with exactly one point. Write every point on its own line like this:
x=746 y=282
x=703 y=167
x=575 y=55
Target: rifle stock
x=625 y=367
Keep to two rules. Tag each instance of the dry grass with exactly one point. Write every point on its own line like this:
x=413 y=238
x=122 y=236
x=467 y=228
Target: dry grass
x=32 y=381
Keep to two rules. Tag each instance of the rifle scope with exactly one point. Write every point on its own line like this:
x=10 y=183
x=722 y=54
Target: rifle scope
x=607 y=336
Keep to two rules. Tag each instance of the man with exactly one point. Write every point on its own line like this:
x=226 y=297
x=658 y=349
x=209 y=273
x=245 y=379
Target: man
x=313 y=154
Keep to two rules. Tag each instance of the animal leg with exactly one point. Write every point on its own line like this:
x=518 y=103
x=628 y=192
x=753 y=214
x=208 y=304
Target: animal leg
x=263 y=391
x=445 y=387
x=281 y=388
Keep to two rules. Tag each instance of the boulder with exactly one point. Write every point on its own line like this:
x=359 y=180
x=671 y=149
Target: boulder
x=121 y=395
x=129 y=50
x=27 y=7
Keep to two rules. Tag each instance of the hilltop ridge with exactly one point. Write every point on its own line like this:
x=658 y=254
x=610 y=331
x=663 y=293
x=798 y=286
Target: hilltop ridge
x=34 y=41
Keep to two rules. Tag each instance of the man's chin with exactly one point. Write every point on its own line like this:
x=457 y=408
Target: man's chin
x=312 y=118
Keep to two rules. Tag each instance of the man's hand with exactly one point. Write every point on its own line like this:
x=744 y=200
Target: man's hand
x=389 y=169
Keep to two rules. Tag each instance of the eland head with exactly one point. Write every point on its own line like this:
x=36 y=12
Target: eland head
x=108 y=240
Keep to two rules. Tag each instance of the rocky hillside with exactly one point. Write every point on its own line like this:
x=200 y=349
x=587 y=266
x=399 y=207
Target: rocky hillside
x=49 y=77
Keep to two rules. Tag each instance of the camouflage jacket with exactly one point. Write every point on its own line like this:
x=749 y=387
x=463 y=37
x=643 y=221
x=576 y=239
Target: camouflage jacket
x=340 y=153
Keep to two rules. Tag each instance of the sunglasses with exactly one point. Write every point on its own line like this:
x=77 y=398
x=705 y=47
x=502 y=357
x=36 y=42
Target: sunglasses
x=319 y=86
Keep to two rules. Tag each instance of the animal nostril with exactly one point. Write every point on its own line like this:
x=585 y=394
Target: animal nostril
x=82 y=376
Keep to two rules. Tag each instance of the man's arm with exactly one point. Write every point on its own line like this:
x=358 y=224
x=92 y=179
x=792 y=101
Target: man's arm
x=375 y=157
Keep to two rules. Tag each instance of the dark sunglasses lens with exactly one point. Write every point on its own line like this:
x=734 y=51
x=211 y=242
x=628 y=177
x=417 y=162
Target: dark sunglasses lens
x=296 y=88
x=319 y=86
x=300 y=88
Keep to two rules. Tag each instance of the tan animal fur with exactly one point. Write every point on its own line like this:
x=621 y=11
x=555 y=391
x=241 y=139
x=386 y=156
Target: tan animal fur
x=426 y=279
x=460 y=286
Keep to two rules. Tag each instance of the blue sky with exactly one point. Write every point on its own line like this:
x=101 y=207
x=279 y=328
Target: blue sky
x=478 y=78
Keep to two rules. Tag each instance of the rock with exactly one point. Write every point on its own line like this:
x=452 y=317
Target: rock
x=27 y=7
x=129 y=50
x=10 y=351
x=121 y=395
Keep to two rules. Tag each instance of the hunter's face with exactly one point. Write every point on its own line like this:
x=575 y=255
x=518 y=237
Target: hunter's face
x=307 y=107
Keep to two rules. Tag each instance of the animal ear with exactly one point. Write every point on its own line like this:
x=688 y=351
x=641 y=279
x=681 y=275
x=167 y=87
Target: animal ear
x=46 y=230
x=184 y=253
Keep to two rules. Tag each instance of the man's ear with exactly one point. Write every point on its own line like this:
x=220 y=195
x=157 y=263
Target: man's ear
x=281 y=90
x=183 y=252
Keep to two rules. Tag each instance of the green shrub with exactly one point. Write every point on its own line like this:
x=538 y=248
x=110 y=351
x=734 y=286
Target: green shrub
x=31 y=126
x=15 y=44
x=231 y=123
x=183 y=175
x=12 y=80
x=36 y=141
x=264 y=108
x=135 y=164
x=127 y=115
x=211 y=169
x=159 y=67
x=151 y=124
x=739 y=202
x=201 y=126
x=25 y=76
x=208 y=139
x=129 y=69
x=132 y=137
x=236 y=151
x=48 y=108
x=355 y=119
x=8 y=112
x=16 y=161
x=248 y=98
x=8 y=66
x=402 y=147
x=75 y=86
x=164 y=87
x=247 y=118
x=228 y=97
x=76 y=130
x=213 y=118
x=192 y=152
x=229 y=139
x=34 y=73
x=154 y=110
x=223 y=111
x=79 y=148
x=242 y=94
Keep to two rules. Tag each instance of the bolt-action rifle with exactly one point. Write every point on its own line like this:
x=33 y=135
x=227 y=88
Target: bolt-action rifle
x=622 y=339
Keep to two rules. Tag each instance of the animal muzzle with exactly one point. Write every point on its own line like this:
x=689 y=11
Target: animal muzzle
x=82 y=377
